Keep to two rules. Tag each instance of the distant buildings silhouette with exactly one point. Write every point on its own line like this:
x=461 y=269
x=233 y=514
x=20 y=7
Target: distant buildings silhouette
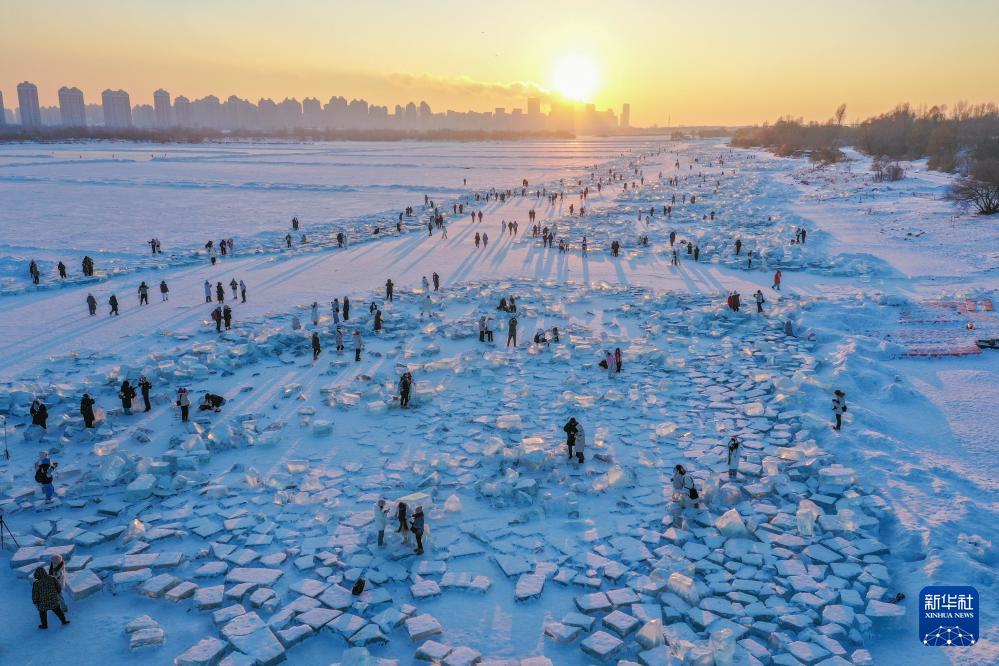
x=235 y=114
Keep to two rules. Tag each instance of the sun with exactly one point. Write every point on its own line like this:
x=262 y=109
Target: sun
x=575 y=77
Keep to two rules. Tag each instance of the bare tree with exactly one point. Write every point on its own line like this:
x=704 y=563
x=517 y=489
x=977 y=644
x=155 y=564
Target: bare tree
x=970 y=193
x=840 y=114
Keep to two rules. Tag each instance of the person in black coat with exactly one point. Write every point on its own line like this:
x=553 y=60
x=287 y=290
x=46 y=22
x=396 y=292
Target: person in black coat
x=144 y=386
x=417 y=527
x=126 y=393
x=346 y=308
x=91 y=304
x=511 y=332
x=47 y=596
x=570 y=434
x=316 y=348
x=378 y=320
x=113 y=302
x=405 y=386
x=39 y=413
x=211 y=402
x=87 y=410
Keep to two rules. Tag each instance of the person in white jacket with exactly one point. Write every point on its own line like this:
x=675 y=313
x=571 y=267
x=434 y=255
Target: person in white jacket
x=580 y=443
x=428 y=307
x=839 y=408
x=381 y=517
x=357 y=345
x=734 y=454
x=315 y=314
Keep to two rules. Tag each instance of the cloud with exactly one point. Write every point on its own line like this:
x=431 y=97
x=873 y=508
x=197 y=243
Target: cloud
x=463 y=85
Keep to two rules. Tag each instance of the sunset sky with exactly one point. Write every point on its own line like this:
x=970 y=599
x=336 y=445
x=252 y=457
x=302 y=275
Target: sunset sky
x=718 y=62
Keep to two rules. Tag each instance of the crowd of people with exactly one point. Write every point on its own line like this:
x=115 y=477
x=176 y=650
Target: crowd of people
x=49 y=583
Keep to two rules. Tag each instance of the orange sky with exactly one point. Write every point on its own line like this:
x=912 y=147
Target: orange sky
x=721 y=63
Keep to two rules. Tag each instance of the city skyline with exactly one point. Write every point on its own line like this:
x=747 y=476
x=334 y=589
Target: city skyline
x=717 y=64
x=116 y=111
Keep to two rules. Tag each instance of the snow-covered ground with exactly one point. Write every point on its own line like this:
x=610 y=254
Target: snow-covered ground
x=243 y=531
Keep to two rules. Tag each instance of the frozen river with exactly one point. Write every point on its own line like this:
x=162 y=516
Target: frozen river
x=112 y=197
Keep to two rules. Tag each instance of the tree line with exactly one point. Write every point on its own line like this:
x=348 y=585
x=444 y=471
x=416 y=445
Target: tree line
x=963 y=141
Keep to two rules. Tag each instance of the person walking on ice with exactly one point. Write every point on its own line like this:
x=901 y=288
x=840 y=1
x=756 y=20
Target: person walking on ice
x=684 y=492
x=143 y=293
x=126 y=393
x=233 y=285
x=357 y=345
x=402 y=515
x=511 y=332
x=184 y=402
x=315 y=313
x=46 y=595
x=610 y=364
x=571 y=427
x=405 y=386
x=389 y=286
x=144 y=387
x=219 y=292
x=381 y=518
x=339 y=339
x=418 y=526
x=777 y=278
x=734 y=453
x=580 y=443
x=44 y=473
x=316 y=349
x=87 y=410
x=113 y=302
x=839 y=408
x=427 y=308
x=242 y=291
x=208 y=291
x=426 y=284
x=39 y=414
x=759 y=300
x=91 y=304
x=164 y=291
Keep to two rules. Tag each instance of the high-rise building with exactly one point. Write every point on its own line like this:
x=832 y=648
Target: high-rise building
x=182 y=111
x=312 y=112
x=72 y=107
x=533 y=107
x=144 y=116
x=161 y=104
x=3 y=112
x=290 y=112
x=117 y=108
x=626 y=115
x=27 y=100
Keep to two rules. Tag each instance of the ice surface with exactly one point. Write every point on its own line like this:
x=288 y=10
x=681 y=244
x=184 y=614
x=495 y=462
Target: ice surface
x=274 y=494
